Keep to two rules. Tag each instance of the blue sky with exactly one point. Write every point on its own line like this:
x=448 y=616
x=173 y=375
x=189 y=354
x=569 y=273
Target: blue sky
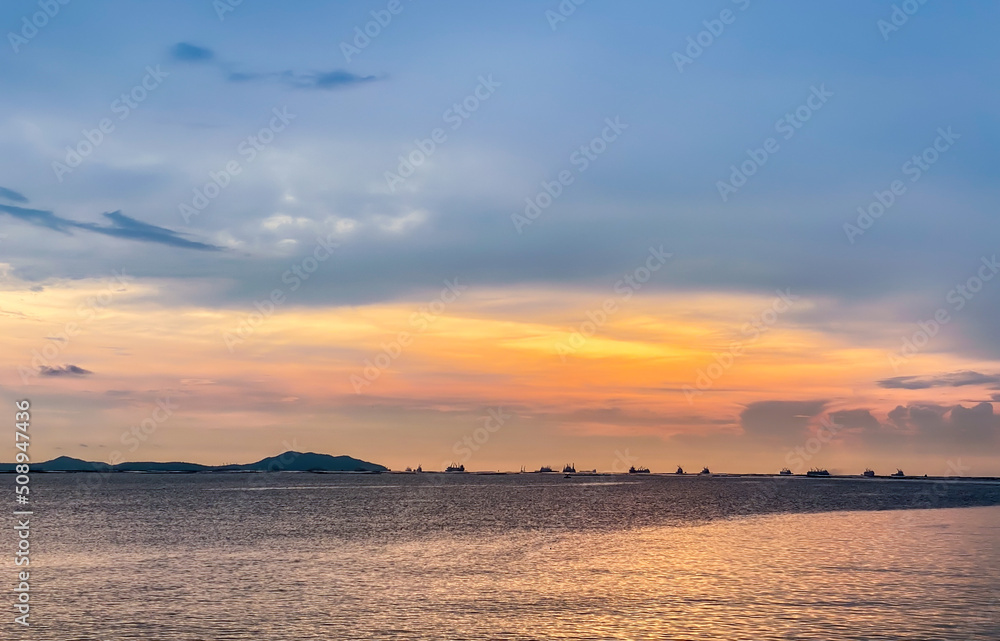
x=220 y=81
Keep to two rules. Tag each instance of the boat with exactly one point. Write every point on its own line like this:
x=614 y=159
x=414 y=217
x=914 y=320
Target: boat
x=567 y=476
x=455 y=468
x=869 y=472
x=569 y=468
x=898 y=473
x=638 y=470
x=785 y=472
x=817 y=472
x=419 y=469
x=705 y=471
x=680 y=470
x=545 y=468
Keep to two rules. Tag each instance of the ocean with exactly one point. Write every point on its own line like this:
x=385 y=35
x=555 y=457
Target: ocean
x=298 y=556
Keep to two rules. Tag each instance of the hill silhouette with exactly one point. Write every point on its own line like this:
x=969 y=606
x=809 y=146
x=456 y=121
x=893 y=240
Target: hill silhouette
x=287 y=462
x=310 y=461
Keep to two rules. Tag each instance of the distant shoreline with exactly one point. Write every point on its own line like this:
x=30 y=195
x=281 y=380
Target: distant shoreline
x=659 y=475
x=286 y=462
x=326 y=464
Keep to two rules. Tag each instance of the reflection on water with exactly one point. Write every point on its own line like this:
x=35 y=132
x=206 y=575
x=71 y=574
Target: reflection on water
x=394 y=557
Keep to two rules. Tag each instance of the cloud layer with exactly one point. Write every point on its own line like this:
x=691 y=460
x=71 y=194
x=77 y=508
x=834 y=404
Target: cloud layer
x=121 y=226
x=953 y=379
x=64 y=370
x=321 y=80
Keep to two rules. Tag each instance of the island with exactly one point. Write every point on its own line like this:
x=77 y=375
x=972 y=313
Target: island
x=287 y=462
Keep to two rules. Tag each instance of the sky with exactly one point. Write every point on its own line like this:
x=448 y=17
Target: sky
x=734 y=234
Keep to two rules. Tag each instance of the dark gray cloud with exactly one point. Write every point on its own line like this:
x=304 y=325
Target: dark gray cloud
x=958 y=425
x=331 y=79
x=976 y=424
x=321 y=80
x=952 y=379
x=857 y=418
x=779 y=419
x=926 y=427
x=926 y=418
x=11 y=195
x=304 y=80
x=65 y=370
x=186 y=52
x=121 y=226
x=38 y=217
x=897 y=416
x=944 y=430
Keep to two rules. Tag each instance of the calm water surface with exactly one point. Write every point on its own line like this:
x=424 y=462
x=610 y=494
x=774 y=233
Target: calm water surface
x=306 y=556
